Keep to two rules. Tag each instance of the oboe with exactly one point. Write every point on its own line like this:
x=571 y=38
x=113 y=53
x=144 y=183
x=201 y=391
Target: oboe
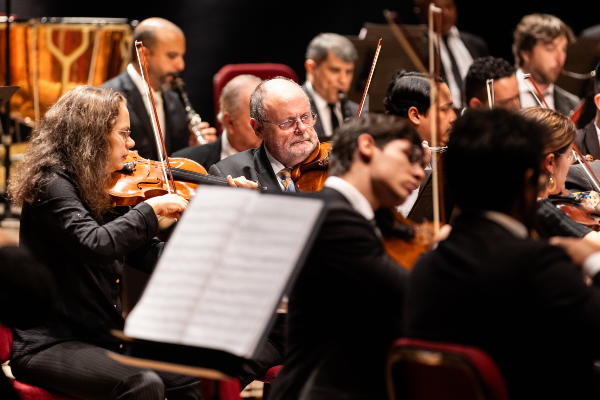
x=193 y=118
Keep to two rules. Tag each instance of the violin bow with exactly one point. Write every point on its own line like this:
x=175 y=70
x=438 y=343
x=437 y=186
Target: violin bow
x=434 y=72
x=364 y=96
x=158 y=136
x=587 y=168
x=490 y=92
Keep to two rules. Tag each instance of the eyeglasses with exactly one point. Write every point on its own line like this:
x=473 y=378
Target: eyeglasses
x=307 y=120
x=416 y=156
x=125 y=133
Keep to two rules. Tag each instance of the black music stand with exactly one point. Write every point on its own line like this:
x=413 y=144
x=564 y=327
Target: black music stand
x=391 y=58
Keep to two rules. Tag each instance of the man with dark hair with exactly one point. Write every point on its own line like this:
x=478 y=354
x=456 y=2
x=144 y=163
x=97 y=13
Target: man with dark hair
x=504 y=82
x=376 y=162
x=329 y=69
x=281 y=117
x=540 y=49
x=408 y=96
x=587 y=138
x=234 y=116
x=164 y=47
x=458 y=48
x=489 y=285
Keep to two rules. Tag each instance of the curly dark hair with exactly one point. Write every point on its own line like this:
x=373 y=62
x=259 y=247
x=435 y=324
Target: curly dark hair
x=480 y=71
x=72 y=136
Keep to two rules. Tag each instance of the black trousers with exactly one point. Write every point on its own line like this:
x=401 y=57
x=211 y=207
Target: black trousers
x=85 y=371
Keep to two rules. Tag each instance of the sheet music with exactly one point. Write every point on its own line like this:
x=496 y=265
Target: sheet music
x=224 y=270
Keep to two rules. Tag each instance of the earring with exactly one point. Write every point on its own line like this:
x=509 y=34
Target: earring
x=551 y=181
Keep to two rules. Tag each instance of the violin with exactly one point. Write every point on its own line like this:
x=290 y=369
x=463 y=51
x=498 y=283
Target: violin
x=141 y=179
x=310 y=175
x=576 y=206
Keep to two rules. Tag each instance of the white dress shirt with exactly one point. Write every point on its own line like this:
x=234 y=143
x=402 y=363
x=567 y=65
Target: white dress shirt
x=597 y=131
x=358 y=202
x=463 y=61
x=324 y=111
x=158 y=100
x=527 y=99
x=226 y=147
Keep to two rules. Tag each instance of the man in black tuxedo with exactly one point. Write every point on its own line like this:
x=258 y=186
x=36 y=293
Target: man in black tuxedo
x=540 y=49
x=281 y=117
x=408 y=96
x=506 y=88
x=346 y=306
x=329 y=69
x=458 y=49
x=587 y=138
x=491 y=286
x=164 y=44
x=237 y=134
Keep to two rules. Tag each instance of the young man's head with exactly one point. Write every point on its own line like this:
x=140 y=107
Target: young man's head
x=408 y=96
x=540 y=46
x=507 y=151
x=506 y=88
x=329 y=65
x=381 y=155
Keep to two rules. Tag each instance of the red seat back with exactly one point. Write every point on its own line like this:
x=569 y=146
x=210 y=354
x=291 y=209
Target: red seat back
x=419 y=370
x=263 y=71
x=6 y=342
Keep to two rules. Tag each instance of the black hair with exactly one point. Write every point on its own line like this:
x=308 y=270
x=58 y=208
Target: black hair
x=597 y=79
x=383 y=128
x=481 y=70
x=406 y=90
x=494 y=149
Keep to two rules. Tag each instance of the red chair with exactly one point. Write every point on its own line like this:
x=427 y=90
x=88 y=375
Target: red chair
x=27 y=392
x=224 y=390
x=269 y=378
x=419 y=370
x=263 y=71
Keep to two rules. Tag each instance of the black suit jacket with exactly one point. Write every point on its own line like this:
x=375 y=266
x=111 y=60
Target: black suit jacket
x=344 y=311
x=205 y=155
x=349 y=110
x=587 y=141
x=176 y=132
x=253 y=164
x=564 y=101
x=520 y=300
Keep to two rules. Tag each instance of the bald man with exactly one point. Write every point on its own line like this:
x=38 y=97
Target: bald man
x=238 y=134
x=164 y=48
x=281 y=117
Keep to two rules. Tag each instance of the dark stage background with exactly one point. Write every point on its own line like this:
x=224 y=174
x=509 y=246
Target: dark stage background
x=222 y=32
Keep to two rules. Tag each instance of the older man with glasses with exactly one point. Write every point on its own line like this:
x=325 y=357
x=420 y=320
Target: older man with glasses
x=281 y=117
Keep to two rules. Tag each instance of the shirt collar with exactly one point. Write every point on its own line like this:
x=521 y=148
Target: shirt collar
x=597 y=129
x=358 y=202
x=226 y=147
x=275 y=164
x=509 y=223
x=139 y=82
x=320 y=102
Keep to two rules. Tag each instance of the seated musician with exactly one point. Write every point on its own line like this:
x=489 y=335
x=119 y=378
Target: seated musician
x=347 y=304
x=506 y=88
x=587 y=138
x=164 y=48
x=68 y=222
x=491 y=286
x=234 y=117
x=408 y=96
x=281 y=117
x=557 y=156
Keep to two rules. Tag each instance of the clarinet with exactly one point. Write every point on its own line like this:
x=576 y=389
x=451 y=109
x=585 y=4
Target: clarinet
x=192 y=117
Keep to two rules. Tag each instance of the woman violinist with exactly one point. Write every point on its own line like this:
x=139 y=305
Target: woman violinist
x=558 y=151
x=68 y=223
